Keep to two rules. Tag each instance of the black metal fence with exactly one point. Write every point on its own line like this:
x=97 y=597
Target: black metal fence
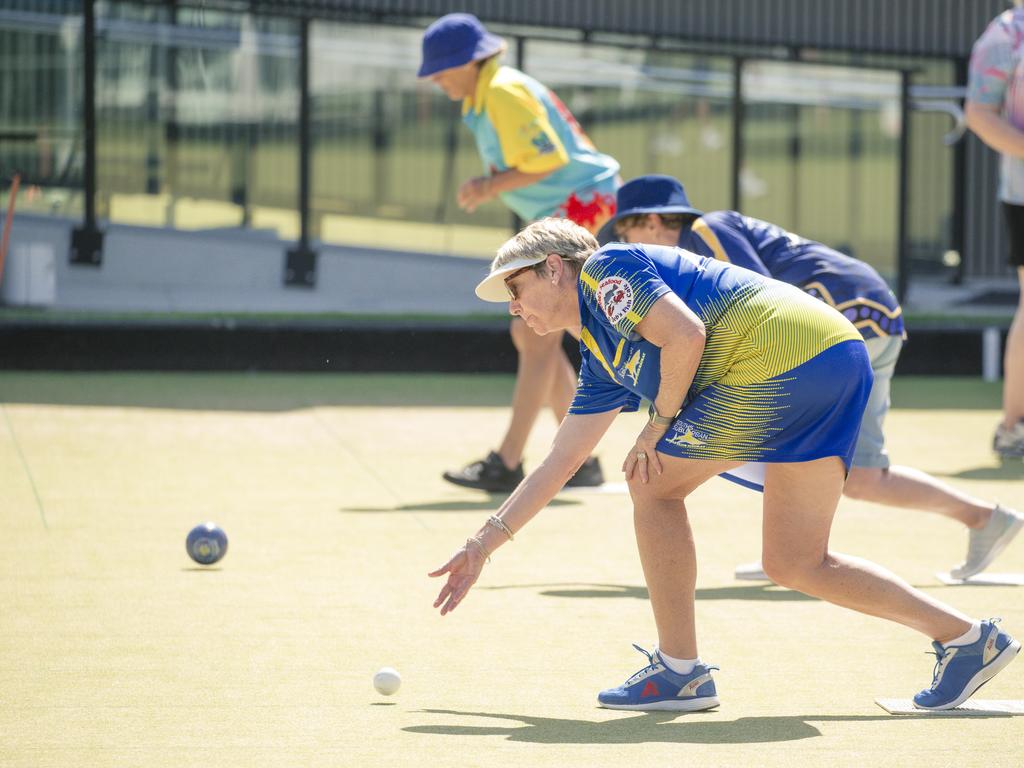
x=306 y=118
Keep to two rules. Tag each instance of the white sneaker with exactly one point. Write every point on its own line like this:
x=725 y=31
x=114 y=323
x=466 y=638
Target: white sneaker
x=1009 y=443
x=985 y=544
x=751 y=572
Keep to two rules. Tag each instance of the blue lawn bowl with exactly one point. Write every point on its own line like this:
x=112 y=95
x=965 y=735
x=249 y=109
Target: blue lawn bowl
x=206 y=543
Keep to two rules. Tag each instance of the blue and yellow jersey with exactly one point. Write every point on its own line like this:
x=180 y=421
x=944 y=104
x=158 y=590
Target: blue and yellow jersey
x=849 y=285
x=783 y=377
x=519 y=123
x=755 y=328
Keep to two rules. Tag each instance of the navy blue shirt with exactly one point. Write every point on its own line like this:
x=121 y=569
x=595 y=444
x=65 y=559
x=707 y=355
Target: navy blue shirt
x=851 y=286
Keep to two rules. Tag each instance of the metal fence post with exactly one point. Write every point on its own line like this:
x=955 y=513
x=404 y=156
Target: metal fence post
x=87 y=240
x=903 y=205
x=300 y=262
x=737 y=132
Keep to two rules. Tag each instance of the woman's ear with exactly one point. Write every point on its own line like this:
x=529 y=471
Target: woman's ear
x=555 y=266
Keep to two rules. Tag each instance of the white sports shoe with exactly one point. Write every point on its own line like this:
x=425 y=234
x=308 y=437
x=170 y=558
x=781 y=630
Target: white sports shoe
x=1009 y=443
x=985 y=544
x=751 y=572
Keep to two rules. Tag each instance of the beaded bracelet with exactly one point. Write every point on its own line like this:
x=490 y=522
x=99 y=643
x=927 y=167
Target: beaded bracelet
x=479 y=545
x=496 y=522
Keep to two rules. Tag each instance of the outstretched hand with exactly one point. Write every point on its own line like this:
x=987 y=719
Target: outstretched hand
x=474 y=193
x=463 y=570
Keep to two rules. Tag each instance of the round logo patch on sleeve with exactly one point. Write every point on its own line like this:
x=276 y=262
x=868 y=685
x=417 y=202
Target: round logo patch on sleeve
x=615 y=298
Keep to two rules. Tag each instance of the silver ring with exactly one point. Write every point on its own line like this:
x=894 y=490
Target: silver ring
x=641 y=456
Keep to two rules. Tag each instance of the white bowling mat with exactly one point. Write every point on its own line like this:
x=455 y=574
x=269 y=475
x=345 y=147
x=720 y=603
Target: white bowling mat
x=984 y=579
x=969 y=707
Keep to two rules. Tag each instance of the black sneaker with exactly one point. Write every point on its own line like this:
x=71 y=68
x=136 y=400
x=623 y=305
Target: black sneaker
x=589 y=475
x=489 y=475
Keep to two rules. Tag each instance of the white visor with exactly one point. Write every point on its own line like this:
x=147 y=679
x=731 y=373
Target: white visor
x=492 y=287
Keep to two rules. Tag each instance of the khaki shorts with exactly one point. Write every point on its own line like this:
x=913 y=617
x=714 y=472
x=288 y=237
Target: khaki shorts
x=883 y=351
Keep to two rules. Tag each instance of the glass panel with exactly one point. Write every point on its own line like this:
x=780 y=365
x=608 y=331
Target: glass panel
x=196 y=118
x=821 y=155
x=40 y=96
x=389 y=150
x=654 y=111
x=936 y=103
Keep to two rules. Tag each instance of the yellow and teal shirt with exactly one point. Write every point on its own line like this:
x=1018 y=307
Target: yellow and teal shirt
x=519 y=123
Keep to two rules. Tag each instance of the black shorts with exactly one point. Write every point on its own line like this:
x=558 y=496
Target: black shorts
x=1014 y=216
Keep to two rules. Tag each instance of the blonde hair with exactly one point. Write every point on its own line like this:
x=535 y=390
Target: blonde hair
x=561 y=236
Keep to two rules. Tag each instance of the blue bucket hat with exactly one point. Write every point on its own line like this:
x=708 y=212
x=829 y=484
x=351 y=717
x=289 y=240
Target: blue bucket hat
x=454 y=40
x=652 y=194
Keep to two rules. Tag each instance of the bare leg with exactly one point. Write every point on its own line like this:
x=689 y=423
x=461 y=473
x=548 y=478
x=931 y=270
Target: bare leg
x=544 y=377
x=1013 y=364
x=799 y=504
x=913 y=489
x=667 y=552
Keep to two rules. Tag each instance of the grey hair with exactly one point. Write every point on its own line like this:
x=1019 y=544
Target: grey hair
x=552 y=235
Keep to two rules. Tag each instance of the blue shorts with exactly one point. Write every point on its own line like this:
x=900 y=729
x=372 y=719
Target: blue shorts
x=807 y=413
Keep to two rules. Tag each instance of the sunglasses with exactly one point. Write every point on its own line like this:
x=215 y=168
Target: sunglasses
x=513 y=292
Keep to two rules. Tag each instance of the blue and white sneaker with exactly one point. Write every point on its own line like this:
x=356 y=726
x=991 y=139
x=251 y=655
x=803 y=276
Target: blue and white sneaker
x=656 y=687
x=963 y=669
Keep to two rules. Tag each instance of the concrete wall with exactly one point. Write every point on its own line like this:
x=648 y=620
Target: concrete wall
x=237 y=270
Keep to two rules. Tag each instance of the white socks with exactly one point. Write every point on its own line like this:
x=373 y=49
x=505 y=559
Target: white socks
x=682 y=666
x=972 y=635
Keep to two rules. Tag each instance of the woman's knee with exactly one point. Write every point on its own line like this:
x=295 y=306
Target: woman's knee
x=788 y=571
x=658 y=490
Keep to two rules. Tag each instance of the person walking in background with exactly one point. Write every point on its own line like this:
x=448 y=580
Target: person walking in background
x=540 y=163
x=995 y=112
x=655 y=209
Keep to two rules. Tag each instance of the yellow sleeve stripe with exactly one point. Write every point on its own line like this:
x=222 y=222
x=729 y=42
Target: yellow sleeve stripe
x=705 y=233
x=588 y=281
x=595 y=350
x=633 y=317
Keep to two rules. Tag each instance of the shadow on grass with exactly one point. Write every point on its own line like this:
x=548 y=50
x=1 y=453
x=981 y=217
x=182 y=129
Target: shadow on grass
x=255 y=392
x=763 y=591
x=1011 y=469
x=651 y=727
x=491 y=502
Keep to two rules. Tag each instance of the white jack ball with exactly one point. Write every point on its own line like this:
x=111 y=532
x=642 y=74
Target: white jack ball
x=387 y=681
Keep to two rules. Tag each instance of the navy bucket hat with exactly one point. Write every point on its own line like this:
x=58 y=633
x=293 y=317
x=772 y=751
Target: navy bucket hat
x=454 y=40
x=652 y=194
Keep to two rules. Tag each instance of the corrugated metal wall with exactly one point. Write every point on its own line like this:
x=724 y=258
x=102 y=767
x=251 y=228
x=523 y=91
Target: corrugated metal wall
x=918 y=27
